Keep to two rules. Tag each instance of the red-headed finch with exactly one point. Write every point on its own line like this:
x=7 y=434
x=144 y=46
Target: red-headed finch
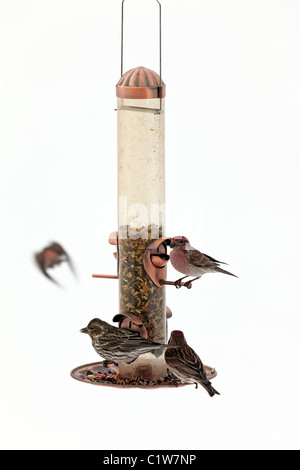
x=186 y=364
x=191 y=262
x=51 y=256
x=118 y=344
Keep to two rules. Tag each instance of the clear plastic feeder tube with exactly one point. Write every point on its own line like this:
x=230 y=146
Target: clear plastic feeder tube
x=141 y=167
x=141 y=214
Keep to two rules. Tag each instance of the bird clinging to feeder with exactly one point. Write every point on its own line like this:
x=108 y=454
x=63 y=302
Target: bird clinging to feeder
x=186 y=364
x=119 y=344
x=191 y=262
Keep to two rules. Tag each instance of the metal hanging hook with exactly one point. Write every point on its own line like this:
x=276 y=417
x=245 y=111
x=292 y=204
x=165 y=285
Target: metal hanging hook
x=122 y=40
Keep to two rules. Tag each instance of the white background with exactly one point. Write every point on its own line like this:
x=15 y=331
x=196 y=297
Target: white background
x=232 y=177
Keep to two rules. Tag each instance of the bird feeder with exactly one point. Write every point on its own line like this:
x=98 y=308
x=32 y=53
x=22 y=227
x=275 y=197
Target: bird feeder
x=141 y=242
x=141 y=188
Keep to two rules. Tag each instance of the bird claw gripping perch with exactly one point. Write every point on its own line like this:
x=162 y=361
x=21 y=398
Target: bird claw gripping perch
x=188 y=285
x=173 y=381
x=178 y=284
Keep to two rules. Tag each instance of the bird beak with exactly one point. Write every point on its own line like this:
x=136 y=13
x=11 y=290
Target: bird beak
x=173 y=243
x=84 y=330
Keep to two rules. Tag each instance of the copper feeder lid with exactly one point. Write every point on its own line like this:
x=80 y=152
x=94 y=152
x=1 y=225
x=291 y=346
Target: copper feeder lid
x=141 y=83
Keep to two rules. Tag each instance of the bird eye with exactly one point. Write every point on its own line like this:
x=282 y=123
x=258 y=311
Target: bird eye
x=91 y=328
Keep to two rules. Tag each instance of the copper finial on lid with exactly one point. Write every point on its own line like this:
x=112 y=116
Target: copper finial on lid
x=141 y=83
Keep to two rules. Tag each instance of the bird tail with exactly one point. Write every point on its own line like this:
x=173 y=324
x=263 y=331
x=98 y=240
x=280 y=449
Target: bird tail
x=220 y=270
x=209 y=388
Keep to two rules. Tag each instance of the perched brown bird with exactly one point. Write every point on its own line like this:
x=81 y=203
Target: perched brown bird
x=191 y=262
x=51 y=256
x=118 y=344
x=186 y=364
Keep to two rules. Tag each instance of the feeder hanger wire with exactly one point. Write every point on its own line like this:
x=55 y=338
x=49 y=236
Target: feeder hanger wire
x=122 y=41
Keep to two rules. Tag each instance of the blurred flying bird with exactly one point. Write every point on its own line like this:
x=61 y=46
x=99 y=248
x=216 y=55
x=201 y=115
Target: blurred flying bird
x=186 y=364
x=191 y=262
x=51 y=256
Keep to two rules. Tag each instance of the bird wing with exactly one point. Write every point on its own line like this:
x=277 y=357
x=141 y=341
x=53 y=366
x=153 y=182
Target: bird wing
x=125 y=338
x=57 y=248
x=61 y=251
x=40 y=262
x=215 y=260
x=186 y=361
x=200 y=259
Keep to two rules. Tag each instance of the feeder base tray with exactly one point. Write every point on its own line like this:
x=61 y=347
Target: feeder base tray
x=97 y=373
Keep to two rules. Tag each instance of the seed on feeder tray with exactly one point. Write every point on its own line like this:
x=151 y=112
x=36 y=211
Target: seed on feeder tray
x=100 y=376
